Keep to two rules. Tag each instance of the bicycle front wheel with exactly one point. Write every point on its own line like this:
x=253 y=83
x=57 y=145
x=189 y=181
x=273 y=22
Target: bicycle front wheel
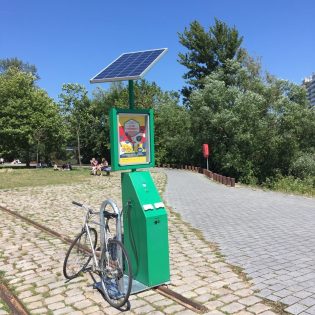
x=79 y=254
x=116 y=274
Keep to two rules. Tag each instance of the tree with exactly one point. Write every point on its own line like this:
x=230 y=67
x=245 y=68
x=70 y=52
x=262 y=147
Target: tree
x=207 y=51
x=22 y=66
x=172 y=123
x=173 y=137
x=29 y=119
x=147 y=95
x=48 y=131
x=256 y=129
x=74 y=103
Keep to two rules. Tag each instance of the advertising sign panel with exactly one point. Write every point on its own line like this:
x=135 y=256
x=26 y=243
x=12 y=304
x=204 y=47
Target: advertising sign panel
x=132 y=142
x=134 y=139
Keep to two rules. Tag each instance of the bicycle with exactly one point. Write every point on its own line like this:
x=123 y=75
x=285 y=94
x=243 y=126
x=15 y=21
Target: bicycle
x=110 y=261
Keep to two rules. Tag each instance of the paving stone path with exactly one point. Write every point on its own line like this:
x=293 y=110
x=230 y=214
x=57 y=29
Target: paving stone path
x=31 y=260
x=271 y=235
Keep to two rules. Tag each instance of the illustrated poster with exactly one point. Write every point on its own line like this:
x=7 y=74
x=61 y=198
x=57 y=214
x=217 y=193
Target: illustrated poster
x=133 y=139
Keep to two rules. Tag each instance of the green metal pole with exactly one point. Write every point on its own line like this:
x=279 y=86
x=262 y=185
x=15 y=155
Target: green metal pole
x=131 y=95
x=131 y=99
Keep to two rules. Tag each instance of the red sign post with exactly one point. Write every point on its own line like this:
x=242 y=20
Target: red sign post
x=206 y=153
x=205 y=150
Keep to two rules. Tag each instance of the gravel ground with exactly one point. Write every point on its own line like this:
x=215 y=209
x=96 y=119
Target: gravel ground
x=32 y=260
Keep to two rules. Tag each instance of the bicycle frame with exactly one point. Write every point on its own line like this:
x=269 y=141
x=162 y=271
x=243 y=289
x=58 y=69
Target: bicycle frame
x=86 y=226
x=87 y=229
x=104 y=234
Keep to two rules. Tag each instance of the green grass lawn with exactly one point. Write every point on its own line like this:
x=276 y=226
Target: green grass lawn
x=13 y=178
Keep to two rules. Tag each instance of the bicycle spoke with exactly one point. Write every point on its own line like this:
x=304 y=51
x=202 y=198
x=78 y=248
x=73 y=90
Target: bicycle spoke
x=116 y=291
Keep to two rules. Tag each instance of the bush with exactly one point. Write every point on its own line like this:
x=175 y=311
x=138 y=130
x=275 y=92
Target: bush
x=291 y=184
x=304 y=166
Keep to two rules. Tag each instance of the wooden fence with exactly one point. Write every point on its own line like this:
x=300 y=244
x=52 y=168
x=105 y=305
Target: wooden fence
x=225 y=180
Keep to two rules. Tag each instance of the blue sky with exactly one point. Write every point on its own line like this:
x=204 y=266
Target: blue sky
x=72 y=40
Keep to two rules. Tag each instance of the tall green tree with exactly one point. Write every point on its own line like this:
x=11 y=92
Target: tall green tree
x=74 y=104
x=147 y=95
x=257 y=129
x=207 y=51
x=20 y=65
x=172 y=123
x=173 y=137
x=29 y=119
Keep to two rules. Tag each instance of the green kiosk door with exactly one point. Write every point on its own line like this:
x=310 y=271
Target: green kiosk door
x=145 y=229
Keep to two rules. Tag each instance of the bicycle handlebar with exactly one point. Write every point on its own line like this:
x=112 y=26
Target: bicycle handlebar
x=77 y=203
x=85 y=207
x=107 y=214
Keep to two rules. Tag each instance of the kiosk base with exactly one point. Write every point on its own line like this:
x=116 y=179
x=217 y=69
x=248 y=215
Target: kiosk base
x=145 y=229
x=136 y=287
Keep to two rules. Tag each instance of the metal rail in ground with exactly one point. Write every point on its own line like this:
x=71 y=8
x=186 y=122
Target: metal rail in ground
x=192 y=305
x=16 y=307
x=164 y=290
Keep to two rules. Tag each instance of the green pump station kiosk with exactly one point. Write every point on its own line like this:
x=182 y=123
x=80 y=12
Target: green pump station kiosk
x=132 y=148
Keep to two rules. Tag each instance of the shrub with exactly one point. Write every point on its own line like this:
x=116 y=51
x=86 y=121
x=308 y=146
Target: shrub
x=304 y=166
x=291 y=184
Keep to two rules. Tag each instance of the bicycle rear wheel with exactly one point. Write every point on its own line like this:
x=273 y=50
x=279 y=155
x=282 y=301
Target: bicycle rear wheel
x=79 y=254
x=114 y=264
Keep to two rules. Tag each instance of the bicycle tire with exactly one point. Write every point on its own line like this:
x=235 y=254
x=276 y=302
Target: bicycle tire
x=80 y=250
x=112 y=272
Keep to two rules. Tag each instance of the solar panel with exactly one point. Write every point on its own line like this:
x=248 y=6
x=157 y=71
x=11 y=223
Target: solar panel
x=129 y=66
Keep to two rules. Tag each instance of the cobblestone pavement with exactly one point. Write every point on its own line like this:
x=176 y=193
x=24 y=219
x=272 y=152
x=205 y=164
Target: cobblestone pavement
x=31 y=260
x=271 y=235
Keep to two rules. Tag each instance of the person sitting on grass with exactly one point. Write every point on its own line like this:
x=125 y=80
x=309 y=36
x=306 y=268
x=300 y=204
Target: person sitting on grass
x=104 y=167
x=56 y=168
x=94 y=165
x=69 y=166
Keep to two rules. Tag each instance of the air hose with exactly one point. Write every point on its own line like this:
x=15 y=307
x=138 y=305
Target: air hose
x=132 y=239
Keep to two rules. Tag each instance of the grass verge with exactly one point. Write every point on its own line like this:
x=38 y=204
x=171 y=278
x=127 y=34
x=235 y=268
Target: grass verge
x=14 y=178
x=294 y=185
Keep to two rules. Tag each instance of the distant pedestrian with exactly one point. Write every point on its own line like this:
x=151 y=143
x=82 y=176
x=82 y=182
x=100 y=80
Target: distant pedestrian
x=56 y=168
x=69 y=166
x=104 y=167
x=94 y=166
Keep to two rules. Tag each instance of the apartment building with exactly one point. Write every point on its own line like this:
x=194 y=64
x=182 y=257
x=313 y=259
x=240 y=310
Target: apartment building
x=309 y=84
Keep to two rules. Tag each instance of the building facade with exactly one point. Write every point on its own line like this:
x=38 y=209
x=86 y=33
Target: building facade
x=309 y=84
